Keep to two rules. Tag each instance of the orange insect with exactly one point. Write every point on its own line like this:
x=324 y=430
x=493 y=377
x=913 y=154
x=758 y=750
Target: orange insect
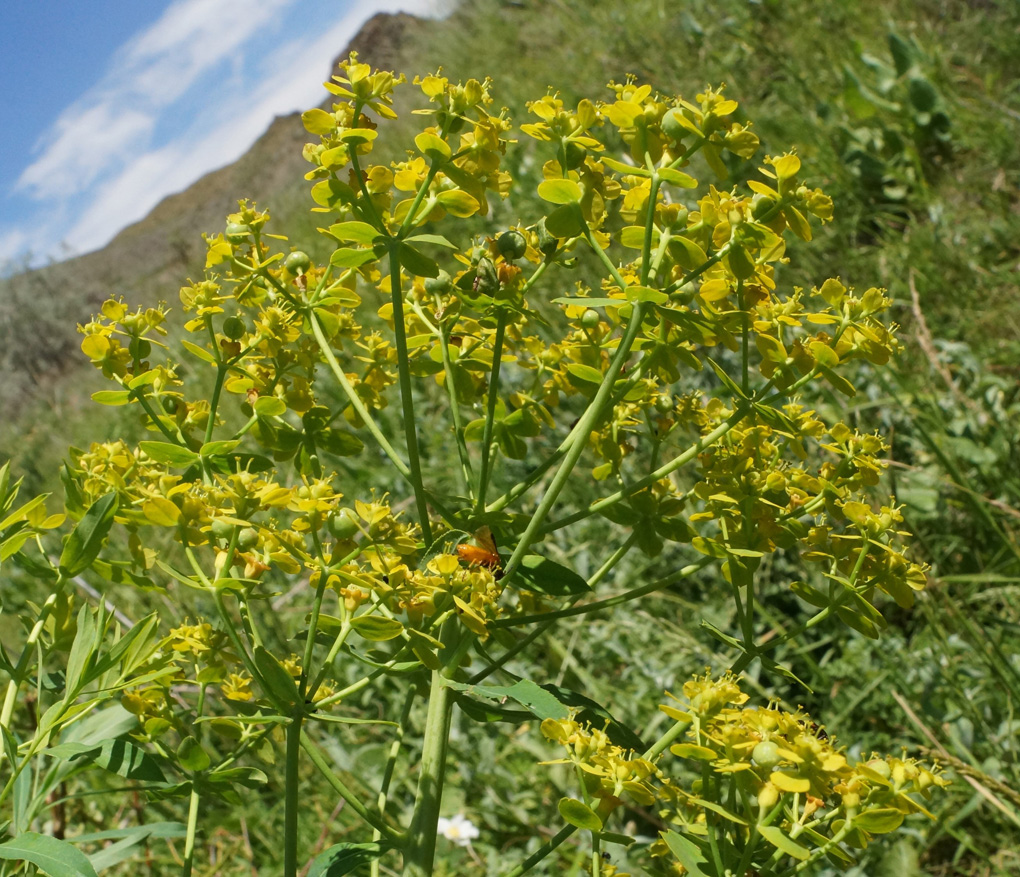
x=483 y=553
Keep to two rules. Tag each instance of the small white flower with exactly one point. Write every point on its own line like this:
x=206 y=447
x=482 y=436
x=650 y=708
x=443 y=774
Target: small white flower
x=459 y=829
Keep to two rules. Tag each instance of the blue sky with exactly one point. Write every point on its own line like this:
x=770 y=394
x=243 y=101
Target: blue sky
x=111 y=105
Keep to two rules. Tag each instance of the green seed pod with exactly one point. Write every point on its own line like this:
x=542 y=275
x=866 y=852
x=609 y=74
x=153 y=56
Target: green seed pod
x=237 y=232
x=297 y=262
x=671 y=125
x=663 y=404
x=233 y=328
x=221 y=529
x=590 y=318
x=486 y=279
x=247 y=539
x=512 y=245
x=343 y=524
x=766 y=754
x=439 y=285
x=547 y=244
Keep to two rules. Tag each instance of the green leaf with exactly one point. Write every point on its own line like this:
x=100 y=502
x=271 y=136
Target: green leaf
x=543 y=576
x=192 y=756
x=585 y=373
x=117 y=756
x=646 y=293
x=199 y=352
x=345 y=858
x=480 y=711
x=85 y=541
x=579 y=814
x=269 y=406
x=339 y=442
x=677 y=178
x=172 y=455
x=559 y=191
x=280 y=683
x=112 y=397
x=329 y=193
x=349 y=258
x=212 y=449
x=784 y=843
x=376 y=628
x=535 y=698
x=57 y=858
x=458 y=202
x=687 y=853
x=565 y=221
x=354 y=232
x=879 y=821
x=436 y=239
x=417 y=263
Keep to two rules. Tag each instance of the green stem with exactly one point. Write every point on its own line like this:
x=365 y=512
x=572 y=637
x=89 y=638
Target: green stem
x=317 y=758
x=458 y=429
x=189 y=840
x=583 y=428
x=677 y=462
x=406 y=401
x=490 y=411
x=290 y=813
x=421 y=850
x=18 y=676
x=524 y=642
x=542 y=852
x=609 y=602
x=391 y=764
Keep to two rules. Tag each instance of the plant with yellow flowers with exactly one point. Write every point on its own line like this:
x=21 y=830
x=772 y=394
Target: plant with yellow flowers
x=673 y=387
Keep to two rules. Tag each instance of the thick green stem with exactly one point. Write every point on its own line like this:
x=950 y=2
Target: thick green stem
x=189 y=839
x=290 y=812
x=421 y=849
x=583 y=429
x=406 y=401
x=490 y=411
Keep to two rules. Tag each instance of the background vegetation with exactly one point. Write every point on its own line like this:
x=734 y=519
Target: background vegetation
x=909 y=116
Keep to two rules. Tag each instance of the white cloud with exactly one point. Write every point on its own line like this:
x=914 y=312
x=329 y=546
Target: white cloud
x=147 y=75
x=220 y=69
x=290 y=79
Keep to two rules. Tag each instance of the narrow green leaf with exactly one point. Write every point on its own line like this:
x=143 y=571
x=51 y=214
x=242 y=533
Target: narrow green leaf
x=687 y=853
x=782 y=842
x=280 y=683
x=164 y=452
x=85 y=541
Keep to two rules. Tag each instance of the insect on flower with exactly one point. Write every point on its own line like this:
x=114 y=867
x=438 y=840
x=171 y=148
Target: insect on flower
x=483 y=553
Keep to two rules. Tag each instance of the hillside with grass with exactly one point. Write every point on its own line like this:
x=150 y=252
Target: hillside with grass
x=908 y=115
